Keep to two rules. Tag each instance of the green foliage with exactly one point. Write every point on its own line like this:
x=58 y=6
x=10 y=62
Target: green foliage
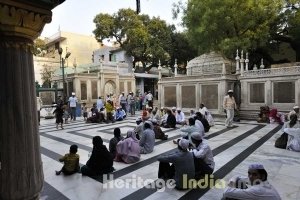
x=227 y=25
x=38 y=47
x=146 y=39
x=46 y=76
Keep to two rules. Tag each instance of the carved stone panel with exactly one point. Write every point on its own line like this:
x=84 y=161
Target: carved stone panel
x=129 y=87
x=121 y=87
x=188 y=96
x=94 y=89
x=209 y=96
x=170 y=96
x=284 y=92
x=83 y=90
x=257 y=93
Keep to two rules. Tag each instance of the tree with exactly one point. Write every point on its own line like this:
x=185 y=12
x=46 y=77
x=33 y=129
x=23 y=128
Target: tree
x=255 y=26
x=46 y=75
x=39 y=47
x=286 y=28
x=146 y=39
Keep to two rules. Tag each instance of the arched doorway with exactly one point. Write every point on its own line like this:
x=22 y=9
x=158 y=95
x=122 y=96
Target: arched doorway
x=110 y=87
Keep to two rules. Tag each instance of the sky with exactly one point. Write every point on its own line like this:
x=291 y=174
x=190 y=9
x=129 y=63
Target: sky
x=77 y=15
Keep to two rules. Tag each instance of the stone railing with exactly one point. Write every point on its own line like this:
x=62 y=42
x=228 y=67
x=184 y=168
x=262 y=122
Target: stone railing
x=273 y=72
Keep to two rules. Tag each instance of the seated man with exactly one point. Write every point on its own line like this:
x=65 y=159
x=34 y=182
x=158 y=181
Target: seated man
x=171 y=120
x=147 y=141
x=180 y=165
x=259 y=188
x=139 y=128
x=189 y=129
x=204 y=122
x=159 y=134
x=119 y=114
x=180 y=117
x=203 y=157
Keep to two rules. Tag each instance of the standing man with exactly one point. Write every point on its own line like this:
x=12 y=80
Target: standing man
x=72 y=105
x=122 y=100
x=100 y=104
x=229 y=105
x=150 y=99
x=38 y=107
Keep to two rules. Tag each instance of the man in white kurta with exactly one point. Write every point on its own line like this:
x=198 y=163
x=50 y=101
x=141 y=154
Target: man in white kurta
x=229 y=105
x=294 y=111
x=260 y=188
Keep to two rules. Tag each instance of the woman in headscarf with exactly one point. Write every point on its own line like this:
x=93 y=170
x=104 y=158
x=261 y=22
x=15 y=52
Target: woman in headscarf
x=128 y=150
x=114 y=141
x=276 y=117
x=101 y=160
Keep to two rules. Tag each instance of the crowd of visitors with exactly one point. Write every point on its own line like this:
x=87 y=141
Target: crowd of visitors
x=191 y=147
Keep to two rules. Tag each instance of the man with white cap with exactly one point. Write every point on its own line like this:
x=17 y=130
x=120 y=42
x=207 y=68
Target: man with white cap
x=122 y=101
x=294 y=111
x=203 y=156
x=180 y=117
x=181 y=169
x=259 y=188
x=73 y=104
x=229 y=105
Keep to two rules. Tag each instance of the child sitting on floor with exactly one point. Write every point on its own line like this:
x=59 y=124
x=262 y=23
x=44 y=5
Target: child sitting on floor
x=71 y=162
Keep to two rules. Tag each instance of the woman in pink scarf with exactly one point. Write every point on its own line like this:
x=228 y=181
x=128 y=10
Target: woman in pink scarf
x=276 y=117
x=128 y=150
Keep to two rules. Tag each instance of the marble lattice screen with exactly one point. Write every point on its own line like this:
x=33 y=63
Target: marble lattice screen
x=188 y=94
x=129 y=89
x=121 y=87
x=284 y=92
x=209 y=96
x=83 y=90
x=94 y=89
x=257 y=93
x=170 y=96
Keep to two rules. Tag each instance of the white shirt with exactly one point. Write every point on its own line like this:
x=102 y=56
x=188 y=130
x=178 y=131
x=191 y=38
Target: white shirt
x=179 y=117
x=203 y=111
x=38 y=103
x=199 y=125
x=294 y=138
x=99 y=104
x=149 y=97
x=73 y=101
x=263 y=191
x=204 y=152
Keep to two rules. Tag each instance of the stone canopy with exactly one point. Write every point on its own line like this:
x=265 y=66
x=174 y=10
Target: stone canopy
x=209 y=63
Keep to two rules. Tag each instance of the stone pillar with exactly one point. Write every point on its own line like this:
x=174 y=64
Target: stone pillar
x=21 y=171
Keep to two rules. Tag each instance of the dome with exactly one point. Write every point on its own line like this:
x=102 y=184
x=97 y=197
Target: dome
x=210 y=63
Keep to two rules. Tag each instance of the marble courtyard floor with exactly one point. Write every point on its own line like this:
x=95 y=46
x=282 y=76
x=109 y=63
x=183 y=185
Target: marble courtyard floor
x=233 y=148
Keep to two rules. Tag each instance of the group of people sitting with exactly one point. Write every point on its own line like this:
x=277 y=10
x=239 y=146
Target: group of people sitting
x=267 y=115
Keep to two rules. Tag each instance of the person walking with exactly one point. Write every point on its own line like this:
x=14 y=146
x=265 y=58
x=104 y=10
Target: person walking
x=229 y=105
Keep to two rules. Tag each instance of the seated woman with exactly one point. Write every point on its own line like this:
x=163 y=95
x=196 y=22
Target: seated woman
x=114 y=141
x=293 y=131
x=101 y=160
x=276 y=117
x=128 y=149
